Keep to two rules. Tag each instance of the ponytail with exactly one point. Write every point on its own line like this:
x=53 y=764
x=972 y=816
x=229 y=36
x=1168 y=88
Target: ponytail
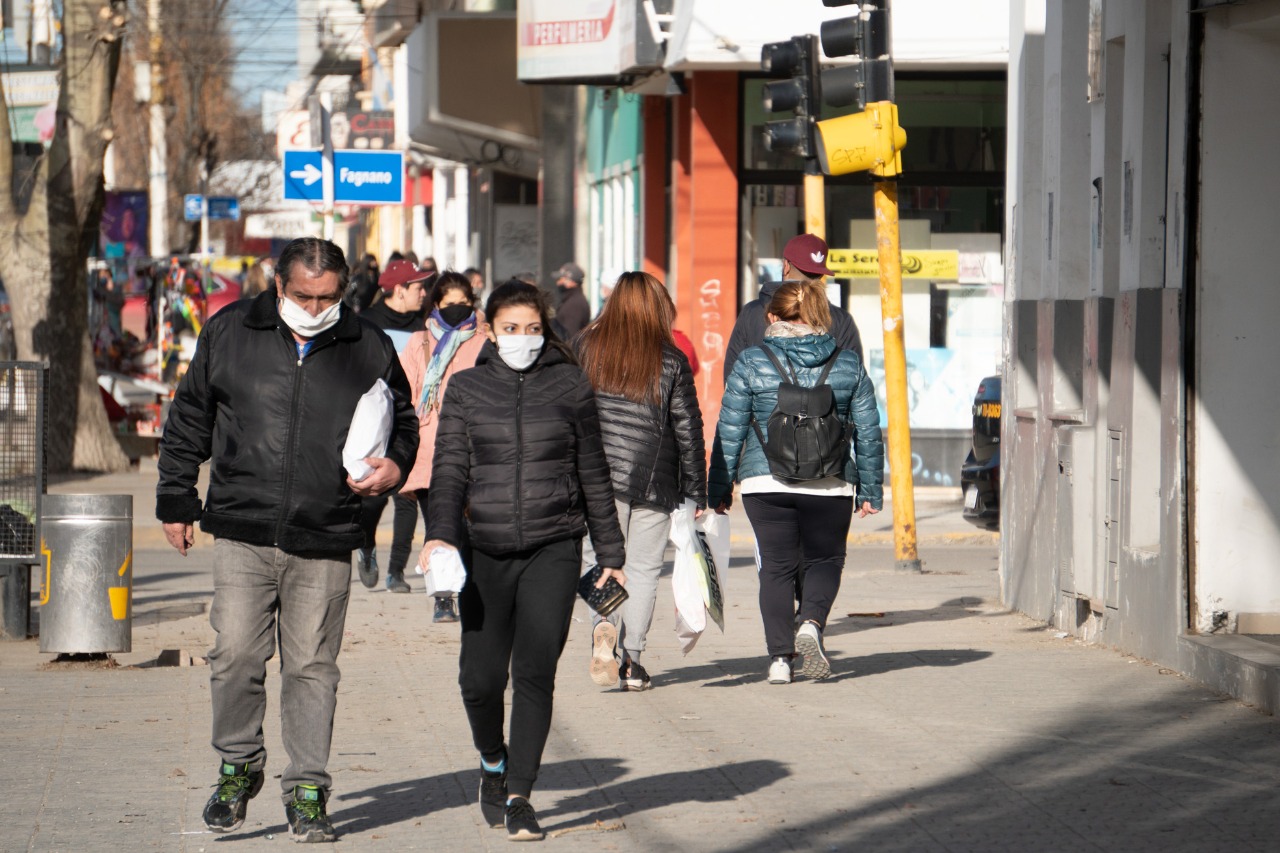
x=802 y=302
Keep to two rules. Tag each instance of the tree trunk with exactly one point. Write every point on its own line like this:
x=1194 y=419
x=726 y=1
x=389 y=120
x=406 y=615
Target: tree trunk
x=44 y=249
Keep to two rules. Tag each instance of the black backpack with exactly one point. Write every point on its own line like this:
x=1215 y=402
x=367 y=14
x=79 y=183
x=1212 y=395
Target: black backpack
x=808 y=440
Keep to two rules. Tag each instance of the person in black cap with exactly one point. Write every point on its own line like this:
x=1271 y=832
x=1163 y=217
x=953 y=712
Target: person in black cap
x=804 y=258
x=574 y=312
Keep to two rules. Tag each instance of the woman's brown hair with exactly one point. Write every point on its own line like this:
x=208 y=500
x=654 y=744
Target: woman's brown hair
x=802 y=302
x=622 y=348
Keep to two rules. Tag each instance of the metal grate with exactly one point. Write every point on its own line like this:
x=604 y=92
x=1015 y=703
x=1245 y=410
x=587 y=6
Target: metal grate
x=22 y=458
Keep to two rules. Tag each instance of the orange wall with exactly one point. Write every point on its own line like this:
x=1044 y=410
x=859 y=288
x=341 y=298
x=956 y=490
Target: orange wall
x=708 y=293
x=654 y=198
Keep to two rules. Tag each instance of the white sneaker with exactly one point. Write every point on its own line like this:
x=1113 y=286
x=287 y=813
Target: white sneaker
x=780 y=670
x=809 y=645
x=604 y=663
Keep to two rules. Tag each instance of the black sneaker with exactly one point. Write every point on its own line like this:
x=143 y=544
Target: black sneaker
x=444 y=611
x=308 y=821
x=367 y=567
x=522 y=823
x=396 y=583
x=634 y=677
x=493 y=795
x=237 y=785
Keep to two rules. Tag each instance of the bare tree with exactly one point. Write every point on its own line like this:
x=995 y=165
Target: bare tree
x=44 y=247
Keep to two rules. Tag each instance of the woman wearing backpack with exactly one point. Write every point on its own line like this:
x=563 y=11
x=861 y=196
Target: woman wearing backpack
x=652 y=428
x=800 y=477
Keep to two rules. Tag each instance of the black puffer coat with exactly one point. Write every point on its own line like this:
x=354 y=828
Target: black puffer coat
x=520 y=453
x=656 y=453
x=274 y=426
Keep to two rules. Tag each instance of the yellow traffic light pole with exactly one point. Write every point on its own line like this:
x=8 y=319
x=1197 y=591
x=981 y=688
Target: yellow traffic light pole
x=815 y=203
x=872 y=141
x=901 y=479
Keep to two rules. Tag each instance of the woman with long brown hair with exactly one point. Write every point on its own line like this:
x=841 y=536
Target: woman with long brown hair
x=652 y=430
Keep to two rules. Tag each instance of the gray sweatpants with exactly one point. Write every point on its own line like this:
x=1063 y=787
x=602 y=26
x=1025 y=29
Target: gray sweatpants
x=645 y=529
x=259 y=593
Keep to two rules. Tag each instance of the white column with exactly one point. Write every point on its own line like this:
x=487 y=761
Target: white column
x=462 y=218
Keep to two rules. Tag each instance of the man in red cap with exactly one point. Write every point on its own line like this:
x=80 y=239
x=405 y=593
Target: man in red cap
x=399 y=314
x=803 y=258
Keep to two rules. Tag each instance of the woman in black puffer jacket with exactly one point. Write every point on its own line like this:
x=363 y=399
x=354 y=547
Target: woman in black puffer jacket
x=518 y=456
x=653 y=437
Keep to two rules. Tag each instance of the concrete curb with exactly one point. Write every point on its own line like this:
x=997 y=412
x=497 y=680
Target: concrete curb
x=977 y=537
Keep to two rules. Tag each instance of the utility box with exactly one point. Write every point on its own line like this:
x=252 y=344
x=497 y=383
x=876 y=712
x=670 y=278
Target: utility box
x=22 y=485
x=86 y=601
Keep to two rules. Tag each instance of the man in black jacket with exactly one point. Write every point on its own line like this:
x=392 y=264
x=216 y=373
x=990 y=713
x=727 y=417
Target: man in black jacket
x=574 y=312
x=804 y=257
x=399 y=314
x=269 y=398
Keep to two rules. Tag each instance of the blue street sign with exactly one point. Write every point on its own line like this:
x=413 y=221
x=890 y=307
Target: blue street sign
x=220 y=207
x=359 y=177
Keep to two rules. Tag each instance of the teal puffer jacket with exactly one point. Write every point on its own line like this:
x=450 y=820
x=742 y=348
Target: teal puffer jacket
x=752 y=389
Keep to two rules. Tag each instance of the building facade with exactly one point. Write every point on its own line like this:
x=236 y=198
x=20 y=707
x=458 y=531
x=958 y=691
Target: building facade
x=1140 y=465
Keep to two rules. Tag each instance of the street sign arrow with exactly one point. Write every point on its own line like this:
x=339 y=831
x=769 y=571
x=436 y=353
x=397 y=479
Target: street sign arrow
x=308 y=174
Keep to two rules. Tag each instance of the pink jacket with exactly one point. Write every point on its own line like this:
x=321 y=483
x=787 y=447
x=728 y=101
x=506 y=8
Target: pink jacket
x=414 y=360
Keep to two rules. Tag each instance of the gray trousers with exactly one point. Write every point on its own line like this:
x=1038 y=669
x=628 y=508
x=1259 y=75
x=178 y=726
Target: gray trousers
x=645 y=529
x=259 y=594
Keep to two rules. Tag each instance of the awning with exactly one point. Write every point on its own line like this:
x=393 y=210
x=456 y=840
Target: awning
x=727 y=35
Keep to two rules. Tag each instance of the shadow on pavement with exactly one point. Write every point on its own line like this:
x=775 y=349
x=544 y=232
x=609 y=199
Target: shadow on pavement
x=734 y=672
x=956 y=608
x=606 y=799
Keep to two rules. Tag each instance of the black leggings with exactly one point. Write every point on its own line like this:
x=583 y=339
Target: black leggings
x=794 y=531
x=404 y=526
x=515 y=616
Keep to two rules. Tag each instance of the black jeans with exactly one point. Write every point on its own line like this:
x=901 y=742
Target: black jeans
x=405 y=525
x=795 y=532
x=515 y=612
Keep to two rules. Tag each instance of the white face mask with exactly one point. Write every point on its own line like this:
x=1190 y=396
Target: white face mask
x=302 y=323
x=519 y=351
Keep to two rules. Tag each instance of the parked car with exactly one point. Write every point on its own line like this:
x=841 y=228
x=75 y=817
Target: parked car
x=223 y=290
x=980 y=474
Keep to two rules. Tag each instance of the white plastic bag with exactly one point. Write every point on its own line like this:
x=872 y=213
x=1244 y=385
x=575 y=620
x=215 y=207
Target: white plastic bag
x=370 y=430
x=445 y=572
x=695 y=579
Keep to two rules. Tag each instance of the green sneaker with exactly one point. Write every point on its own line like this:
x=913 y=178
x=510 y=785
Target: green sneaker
x=237 y=785
x=308 y=821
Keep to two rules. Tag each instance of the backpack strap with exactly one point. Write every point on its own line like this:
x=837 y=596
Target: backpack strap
x=826 y=370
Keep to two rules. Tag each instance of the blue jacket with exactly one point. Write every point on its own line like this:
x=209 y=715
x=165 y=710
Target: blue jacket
x=752 y=389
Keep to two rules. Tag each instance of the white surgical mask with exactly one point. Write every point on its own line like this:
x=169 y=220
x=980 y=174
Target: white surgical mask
x=519 y=351
x=302 y=323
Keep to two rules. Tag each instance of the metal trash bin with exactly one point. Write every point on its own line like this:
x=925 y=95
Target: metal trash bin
x=86 y=601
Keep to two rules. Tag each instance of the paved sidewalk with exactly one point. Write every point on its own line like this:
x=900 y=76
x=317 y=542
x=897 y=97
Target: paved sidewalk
x=948 y=725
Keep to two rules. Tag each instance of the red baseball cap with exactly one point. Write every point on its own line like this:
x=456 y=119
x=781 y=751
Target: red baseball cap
x=400 y=273
x=808 y=254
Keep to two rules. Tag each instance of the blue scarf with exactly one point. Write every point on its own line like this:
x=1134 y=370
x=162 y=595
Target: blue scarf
x=448 y=339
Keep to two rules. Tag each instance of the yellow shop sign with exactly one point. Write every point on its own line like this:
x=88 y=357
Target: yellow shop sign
x=933 y=264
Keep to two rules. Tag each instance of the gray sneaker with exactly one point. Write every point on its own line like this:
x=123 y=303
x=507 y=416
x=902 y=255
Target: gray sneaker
x=809 y=646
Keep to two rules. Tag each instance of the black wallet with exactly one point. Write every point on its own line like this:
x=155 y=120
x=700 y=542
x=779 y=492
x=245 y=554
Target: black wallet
x=605 y=599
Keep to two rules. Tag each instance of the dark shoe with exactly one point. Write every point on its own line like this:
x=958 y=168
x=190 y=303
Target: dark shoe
x=395 y=582
x=809 y=646
x=367 y=567
x=493 y=796
x=444 y=611
x=634 y=677
x=308 y=820
x=522 y=823
x=237 y=785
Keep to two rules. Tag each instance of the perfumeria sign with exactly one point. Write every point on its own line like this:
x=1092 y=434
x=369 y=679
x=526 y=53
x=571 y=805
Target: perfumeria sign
x=573 y=40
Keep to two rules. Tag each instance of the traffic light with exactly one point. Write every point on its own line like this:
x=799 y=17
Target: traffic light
x=796 y=60
x=869 y=140
x=864 y=36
